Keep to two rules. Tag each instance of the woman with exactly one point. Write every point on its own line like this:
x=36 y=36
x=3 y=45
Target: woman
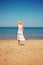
x=20 y=34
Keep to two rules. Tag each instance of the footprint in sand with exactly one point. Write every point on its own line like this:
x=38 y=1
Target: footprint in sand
x=40 y=48
x=34 y=48
x=12 y=49
x=29 y=48
x=5 y=62
x=0 y=54
x=8 y=45
x=0 y=49
x=7 y=52
x=4 y=59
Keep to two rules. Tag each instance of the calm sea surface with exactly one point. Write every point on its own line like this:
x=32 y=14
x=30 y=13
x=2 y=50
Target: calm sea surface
x=29 y=32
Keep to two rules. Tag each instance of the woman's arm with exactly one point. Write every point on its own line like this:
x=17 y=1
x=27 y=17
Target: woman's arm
x=23 y=29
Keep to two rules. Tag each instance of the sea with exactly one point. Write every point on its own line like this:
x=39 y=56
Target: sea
x=29 y=33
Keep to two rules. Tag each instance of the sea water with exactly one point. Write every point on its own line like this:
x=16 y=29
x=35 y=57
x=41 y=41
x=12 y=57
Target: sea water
x=29 y=33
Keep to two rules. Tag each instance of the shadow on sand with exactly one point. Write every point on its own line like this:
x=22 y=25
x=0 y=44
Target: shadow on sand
x=22 y=44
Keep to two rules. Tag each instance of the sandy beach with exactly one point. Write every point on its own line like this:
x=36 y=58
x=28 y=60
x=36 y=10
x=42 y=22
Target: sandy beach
x=31 y=53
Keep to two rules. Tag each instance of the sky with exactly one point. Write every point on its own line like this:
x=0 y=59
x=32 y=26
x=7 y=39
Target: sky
x=29 y=11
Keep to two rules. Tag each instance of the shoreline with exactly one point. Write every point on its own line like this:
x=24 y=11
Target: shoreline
x=25 y=39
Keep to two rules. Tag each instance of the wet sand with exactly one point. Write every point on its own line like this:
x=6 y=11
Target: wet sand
x=29 y=53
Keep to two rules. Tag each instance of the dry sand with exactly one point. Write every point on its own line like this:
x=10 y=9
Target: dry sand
x=31 y=53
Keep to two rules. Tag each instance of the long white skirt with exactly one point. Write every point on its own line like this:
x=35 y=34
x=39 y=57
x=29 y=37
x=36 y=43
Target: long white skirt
x=20 y=37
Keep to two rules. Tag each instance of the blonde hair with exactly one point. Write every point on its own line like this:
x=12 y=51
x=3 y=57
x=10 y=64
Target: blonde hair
x=20 y=22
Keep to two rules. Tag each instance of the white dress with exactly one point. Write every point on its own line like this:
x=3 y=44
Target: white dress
x=20 y=35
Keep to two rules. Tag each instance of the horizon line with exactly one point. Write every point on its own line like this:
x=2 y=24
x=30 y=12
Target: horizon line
x=16 y=26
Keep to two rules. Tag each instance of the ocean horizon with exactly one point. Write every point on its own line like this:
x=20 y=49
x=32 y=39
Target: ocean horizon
x=29 y=33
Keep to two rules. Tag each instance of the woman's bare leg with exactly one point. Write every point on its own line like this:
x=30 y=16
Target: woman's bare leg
x=18 y=41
